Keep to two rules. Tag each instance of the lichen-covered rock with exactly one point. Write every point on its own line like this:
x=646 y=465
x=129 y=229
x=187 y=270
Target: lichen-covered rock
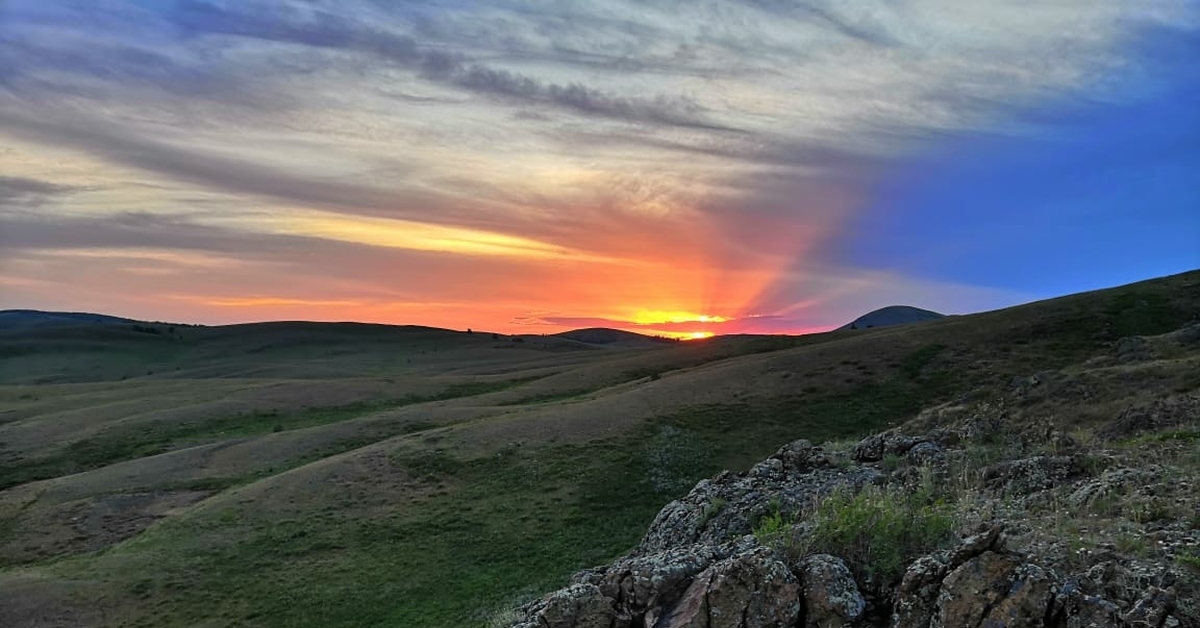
x=873 y=448
x=1152 y=610
x=577 y=606
x=1017 y=478
x=926 y=454
x=916 y=595
x=994 y=591
x=915 y=599
x=1031 y=590
x=800 y=456
x=831 y=596
x=1112 y=483
x=726 y=506
x=753 y=590
x=641 y=586
x=1075 y=609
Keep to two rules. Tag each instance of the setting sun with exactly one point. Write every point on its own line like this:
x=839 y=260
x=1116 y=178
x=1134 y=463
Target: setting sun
x=659 y=317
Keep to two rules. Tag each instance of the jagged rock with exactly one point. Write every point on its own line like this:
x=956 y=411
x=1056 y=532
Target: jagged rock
x=753 y=590
x=994 y=591
x=1074 y=609
x=1022 y=477
x=976 y=544
x=1030 y=592
x=831 y=597
x=800 y=456
x=577 y=606
x=915 y=599
x=873 y=448
x=1152 y=610
x=1111 y=483
x=642 y=586
x=727 y=506
x=916 y=596
x=926 y=454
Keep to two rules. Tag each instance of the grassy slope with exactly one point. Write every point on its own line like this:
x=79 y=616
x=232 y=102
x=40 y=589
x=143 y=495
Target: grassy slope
x=372 y=476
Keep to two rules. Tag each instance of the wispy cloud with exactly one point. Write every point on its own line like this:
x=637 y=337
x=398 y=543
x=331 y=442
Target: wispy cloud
x=702 y=156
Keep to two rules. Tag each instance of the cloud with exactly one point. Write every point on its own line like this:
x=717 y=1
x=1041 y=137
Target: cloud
x=700 y=155
x=22 y=192
x=325 y=29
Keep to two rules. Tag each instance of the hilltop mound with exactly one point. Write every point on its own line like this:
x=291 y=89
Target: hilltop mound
x=37 y=318
x=605 y=336
x=892 y=315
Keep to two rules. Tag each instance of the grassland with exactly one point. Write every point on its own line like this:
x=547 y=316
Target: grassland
x=352 y=475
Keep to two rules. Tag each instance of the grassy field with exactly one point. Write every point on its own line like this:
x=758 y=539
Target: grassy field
x=297 y=474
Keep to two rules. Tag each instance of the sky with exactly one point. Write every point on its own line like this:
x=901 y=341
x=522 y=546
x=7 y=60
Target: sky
x=673 y=167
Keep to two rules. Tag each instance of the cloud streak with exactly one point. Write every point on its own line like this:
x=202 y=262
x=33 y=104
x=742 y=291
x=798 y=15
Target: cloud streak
x=584 y=160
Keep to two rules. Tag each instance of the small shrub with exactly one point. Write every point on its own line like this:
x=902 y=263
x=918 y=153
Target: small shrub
x=771 y=528
x=1130 y=543
x=713 y=509
x=778 y=530
x=1190 y=560
x=1149 y=512
x=890 y=462
x=878 y=531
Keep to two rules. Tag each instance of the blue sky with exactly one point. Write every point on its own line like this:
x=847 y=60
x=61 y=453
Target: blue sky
x=1100 y=190
x=524 y=165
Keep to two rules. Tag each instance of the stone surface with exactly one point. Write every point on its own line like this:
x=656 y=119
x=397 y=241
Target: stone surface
x=994 y=590
x=754 y=590
x=577 y=606
x=831 y=597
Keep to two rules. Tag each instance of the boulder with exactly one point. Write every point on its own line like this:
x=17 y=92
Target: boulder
x=994 y=590
x=577 y=606
x=1152 y=610
x=875 y=447
x=728 y=505
x=1016 y=478
x=753 y=590
x=831 y=596
x=1075 y=609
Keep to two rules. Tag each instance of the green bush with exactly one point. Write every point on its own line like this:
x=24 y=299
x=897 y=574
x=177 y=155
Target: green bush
x=878 y=531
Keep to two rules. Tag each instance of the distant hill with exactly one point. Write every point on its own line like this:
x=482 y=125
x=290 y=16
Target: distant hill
x=892 y=315
x=37 y=318
x=611 y=337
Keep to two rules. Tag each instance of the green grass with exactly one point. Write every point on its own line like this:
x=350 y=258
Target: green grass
x=878 y=531
x=739 y=433
x=482 y=532
x=505 y=525
x=550 y=397
x=148 y=439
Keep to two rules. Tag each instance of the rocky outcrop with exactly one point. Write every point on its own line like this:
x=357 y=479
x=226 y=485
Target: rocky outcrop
x=700 y=565
x=752 y=590
x=728 y=505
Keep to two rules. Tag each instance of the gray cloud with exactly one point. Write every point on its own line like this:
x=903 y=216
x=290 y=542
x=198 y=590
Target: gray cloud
x=322 y=29
x=23 y=192
x=127 y=146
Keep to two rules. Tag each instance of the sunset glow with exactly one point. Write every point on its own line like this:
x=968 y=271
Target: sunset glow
x=681 y=170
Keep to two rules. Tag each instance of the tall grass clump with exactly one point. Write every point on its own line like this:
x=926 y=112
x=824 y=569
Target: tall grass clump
x=879 y=530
